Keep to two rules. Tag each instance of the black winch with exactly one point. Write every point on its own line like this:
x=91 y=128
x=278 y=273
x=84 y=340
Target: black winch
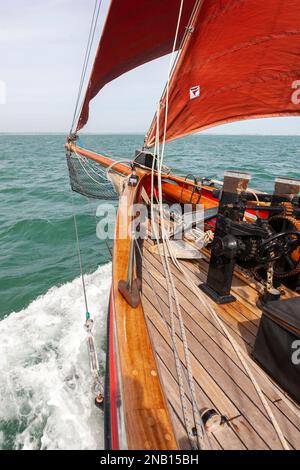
x=269 y=245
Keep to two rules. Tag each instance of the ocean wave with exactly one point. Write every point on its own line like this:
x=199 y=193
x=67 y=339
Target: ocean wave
x=47 y=229
x=45 y=382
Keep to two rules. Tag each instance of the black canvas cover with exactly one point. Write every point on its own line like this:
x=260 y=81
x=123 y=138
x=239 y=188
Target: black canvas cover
x=277 y=345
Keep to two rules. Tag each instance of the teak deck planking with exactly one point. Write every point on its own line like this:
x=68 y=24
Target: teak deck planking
x=221 y=382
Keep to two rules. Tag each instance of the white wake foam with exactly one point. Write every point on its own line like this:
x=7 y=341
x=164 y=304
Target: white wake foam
x=46 y=401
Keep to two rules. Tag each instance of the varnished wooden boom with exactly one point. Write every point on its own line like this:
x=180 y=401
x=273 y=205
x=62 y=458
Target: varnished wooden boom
x=124 y=169
x=101 y=159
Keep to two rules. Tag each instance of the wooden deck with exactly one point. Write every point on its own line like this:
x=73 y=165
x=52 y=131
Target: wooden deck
x=220 y=380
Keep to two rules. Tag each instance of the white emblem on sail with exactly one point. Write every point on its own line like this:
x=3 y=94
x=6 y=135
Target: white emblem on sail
x=194 y=92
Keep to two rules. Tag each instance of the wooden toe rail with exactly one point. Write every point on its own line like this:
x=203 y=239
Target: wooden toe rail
x=144 y=408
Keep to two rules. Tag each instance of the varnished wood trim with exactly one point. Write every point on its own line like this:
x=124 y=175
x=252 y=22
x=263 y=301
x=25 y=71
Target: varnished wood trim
x=146 y=416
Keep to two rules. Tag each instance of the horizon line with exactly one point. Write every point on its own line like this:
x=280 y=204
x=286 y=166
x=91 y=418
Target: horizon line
x=141 y=133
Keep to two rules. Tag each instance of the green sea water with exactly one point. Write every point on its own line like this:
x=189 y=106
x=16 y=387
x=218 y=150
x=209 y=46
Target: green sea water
x=44 y=381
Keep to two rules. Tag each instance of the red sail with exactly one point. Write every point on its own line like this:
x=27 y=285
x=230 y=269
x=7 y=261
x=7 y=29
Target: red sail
x=242 y=61
x=136 y=31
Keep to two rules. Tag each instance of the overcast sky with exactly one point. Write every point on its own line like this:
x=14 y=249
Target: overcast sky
x=42 y=44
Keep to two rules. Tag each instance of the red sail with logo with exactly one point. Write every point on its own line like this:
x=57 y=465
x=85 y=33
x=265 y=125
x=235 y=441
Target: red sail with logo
x=240 y=60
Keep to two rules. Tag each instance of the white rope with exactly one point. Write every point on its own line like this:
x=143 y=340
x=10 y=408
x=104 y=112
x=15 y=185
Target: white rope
x=172 y=324
x=173 y=63
x=197 y=441
x=90 y=41
x=79 y=254
x=116 y=163
x=94 y=364
x=253 y=193
x=105 y=174
x=240 y=355
x=168 y=83
x=171 y=287
x=199 y=294
x=88 y=174
x=86 y=162
x=170 y=290
x=234 y=344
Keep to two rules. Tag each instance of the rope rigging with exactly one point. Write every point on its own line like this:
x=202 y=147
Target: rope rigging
x=196 y=430
x=93 y=26
x=88 y=325
x=196 y=433
x=173 y=63
x=89 y=178
x=167 y=249
x=240 y=354
x=101 y=179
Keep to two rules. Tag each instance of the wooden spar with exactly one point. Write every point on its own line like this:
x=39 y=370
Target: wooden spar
x=101 y=159
x=179 y=192
x=145 y=412
x=124 y=169
x=176 y=193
